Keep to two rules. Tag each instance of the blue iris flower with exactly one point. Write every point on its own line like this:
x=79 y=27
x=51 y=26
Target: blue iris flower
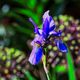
x=48 y=28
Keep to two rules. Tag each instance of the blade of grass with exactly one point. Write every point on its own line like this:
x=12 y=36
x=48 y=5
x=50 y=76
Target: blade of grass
x=28 y=13
x=28 y=75
x=22 y=2
x=60 y=68
x=24 y=30
x=71 y=69
x=31 y=4
x=27 y=3
x=16 y=16
x=53 y=74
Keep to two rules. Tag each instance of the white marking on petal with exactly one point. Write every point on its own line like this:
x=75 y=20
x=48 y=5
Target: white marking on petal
x=51 y=23
x=40 y=31
x=52 y=32
x=46 y=15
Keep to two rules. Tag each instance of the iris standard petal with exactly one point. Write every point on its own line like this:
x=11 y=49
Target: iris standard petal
x=35 y=26
x=51 y=25
x=46 y=16
x=36 y=55
x=50 y=20
x=62 y=47
x=45 y=29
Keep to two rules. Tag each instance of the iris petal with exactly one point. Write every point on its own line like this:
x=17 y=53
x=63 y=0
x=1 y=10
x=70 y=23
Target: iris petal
x=62 y=47
x=46 y=16
x=35 y=39
x=54 y=33
x=45 y=29
x=49 y=18
x=36 y=55
x=36 y=30
x=51 y=25
x=48 y=24
x=38 y=39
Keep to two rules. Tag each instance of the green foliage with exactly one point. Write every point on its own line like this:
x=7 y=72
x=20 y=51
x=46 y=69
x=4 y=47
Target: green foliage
x=71 y=69
x=29 y=76
x=60 y=68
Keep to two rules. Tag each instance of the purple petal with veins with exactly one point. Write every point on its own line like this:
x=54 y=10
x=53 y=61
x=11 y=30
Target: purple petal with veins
x=46 y=16
x=45 y=30
x=49 y=18
x=35 y=26
x=61 y=46
x=48 y=24
x=52 y=25
x=36 y=55
x=54 y=33
x=38 y=38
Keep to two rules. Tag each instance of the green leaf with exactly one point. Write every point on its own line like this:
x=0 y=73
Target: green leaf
x=53 y=74
x=16 y=16
x=71 y=69
x=28 y=13
x=24 y=30
x=31 y=3
x=60 y=68
x=29 y=76
x=22 y=2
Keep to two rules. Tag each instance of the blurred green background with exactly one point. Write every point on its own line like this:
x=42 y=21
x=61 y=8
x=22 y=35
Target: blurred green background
x=16 y=33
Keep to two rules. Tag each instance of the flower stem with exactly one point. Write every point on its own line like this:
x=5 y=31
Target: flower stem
x=44 y=66
x=46 y=71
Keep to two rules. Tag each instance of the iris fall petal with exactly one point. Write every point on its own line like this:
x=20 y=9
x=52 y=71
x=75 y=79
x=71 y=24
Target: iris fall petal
x=62 y=47
x=36 y=55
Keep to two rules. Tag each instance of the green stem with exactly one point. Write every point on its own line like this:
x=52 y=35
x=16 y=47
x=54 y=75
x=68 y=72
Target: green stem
x=44 y=66
x=71 y=69
x=46 y=71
